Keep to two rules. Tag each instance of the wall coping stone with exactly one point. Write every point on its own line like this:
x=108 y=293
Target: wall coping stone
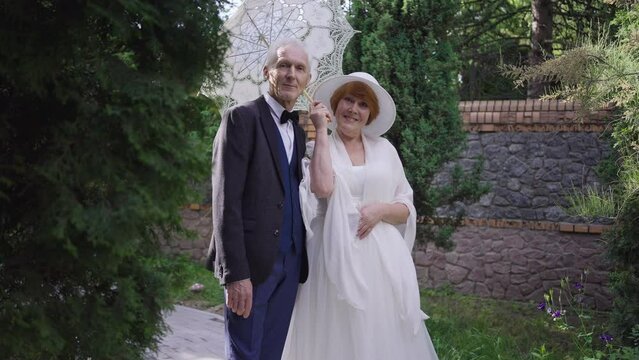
x=564 y=227
x=493 y=223
x=531 y=115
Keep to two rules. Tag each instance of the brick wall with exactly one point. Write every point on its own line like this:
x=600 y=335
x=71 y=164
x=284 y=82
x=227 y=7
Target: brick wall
x=517 y=116
x=529 y=116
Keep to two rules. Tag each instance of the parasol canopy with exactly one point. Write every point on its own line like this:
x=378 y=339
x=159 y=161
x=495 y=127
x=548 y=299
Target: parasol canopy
x=319 y=24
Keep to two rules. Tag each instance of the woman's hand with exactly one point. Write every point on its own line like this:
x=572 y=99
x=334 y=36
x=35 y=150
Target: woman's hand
x=370 y=215
x=320 y=116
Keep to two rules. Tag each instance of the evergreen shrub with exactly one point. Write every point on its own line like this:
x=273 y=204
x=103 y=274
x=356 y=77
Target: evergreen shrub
x=409 y=47
x=97 y=148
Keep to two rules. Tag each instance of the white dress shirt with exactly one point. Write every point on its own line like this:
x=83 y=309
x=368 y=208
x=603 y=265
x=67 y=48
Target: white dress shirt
x=286 y=130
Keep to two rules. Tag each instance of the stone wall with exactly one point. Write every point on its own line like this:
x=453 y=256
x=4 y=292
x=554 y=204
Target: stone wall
x=196 y=218
x=529 y=173
x=517 y=240
x=516 y=263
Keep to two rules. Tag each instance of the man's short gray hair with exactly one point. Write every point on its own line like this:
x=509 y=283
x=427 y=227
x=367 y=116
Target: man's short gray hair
x=271 y=54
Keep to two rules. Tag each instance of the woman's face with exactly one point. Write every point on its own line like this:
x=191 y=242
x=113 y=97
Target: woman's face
x=352 y=114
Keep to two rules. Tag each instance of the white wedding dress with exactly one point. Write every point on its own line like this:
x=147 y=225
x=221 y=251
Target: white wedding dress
x=361 y=299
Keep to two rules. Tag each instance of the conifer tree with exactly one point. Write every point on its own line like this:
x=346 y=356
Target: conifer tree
x=408 y=46
x=96 y=152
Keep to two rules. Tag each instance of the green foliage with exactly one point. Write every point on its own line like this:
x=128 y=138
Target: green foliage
x=592 y=202
x=491 y=32
x=95 y=161
x=183 y=273
x=407 y=46
x=466 y=327
x=469 y=327
x=208 y=112
x=598 y=74
x=607 y=169
x=566 y=311
x=623 y=250
x=494 y=32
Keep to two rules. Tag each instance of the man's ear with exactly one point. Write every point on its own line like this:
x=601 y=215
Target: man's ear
x=265 y=72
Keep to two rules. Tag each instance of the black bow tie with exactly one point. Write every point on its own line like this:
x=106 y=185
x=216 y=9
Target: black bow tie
x=289 y=115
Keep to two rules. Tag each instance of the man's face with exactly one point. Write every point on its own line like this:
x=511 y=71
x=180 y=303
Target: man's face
x=289 y=75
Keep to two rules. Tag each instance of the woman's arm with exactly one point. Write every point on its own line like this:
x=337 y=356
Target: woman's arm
x=398 y=210
x=371 y=214
x=321 y=168
x=396 y=213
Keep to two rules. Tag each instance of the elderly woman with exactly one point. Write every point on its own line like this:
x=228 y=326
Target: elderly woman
x=361 y=300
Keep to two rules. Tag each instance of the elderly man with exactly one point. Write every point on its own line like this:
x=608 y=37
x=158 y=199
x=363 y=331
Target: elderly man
x=258 y=245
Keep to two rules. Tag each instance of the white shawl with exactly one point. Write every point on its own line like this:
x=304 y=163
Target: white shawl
x=384 y=181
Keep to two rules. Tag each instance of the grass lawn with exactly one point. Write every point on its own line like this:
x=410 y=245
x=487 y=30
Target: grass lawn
x=462 y=327
x=471 y=328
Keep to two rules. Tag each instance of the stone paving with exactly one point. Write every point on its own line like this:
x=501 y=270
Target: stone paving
x=193 y=335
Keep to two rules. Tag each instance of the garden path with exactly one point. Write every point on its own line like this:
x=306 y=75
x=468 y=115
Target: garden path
x=193 y=335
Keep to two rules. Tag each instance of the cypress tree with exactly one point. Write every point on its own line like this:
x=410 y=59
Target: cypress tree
x=408 y=45
x=98 y=142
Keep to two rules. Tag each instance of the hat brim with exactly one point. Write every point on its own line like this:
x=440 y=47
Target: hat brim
x=387 y=112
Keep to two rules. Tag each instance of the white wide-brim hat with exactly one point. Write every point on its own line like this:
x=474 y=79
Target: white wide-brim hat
x=386 y=116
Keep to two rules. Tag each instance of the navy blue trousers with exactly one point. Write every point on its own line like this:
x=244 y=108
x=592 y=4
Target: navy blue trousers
x=261 y=336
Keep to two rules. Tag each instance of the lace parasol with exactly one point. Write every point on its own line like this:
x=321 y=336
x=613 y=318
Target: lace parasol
x=255 y=24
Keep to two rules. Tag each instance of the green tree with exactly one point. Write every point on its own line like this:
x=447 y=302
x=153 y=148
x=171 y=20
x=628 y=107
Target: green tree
x=600 y=73
x=408 y=46
x=96 y=152
x=494 y=32
x=540 y=41
x=491 y=32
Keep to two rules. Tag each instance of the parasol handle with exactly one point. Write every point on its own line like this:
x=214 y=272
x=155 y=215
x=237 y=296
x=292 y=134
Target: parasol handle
x=307 y=96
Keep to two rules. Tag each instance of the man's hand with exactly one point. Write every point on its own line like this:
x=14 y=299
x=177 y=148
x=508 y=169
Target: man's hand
x=239 y=297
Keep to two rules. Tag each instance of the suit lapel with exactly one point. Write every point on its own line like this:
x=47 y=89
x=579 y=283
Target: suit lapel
x=272 y=135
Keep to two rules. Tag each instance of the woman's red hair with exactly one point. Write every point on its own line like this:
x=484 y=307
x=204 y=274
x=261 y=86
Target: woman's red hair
x=359 y=90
